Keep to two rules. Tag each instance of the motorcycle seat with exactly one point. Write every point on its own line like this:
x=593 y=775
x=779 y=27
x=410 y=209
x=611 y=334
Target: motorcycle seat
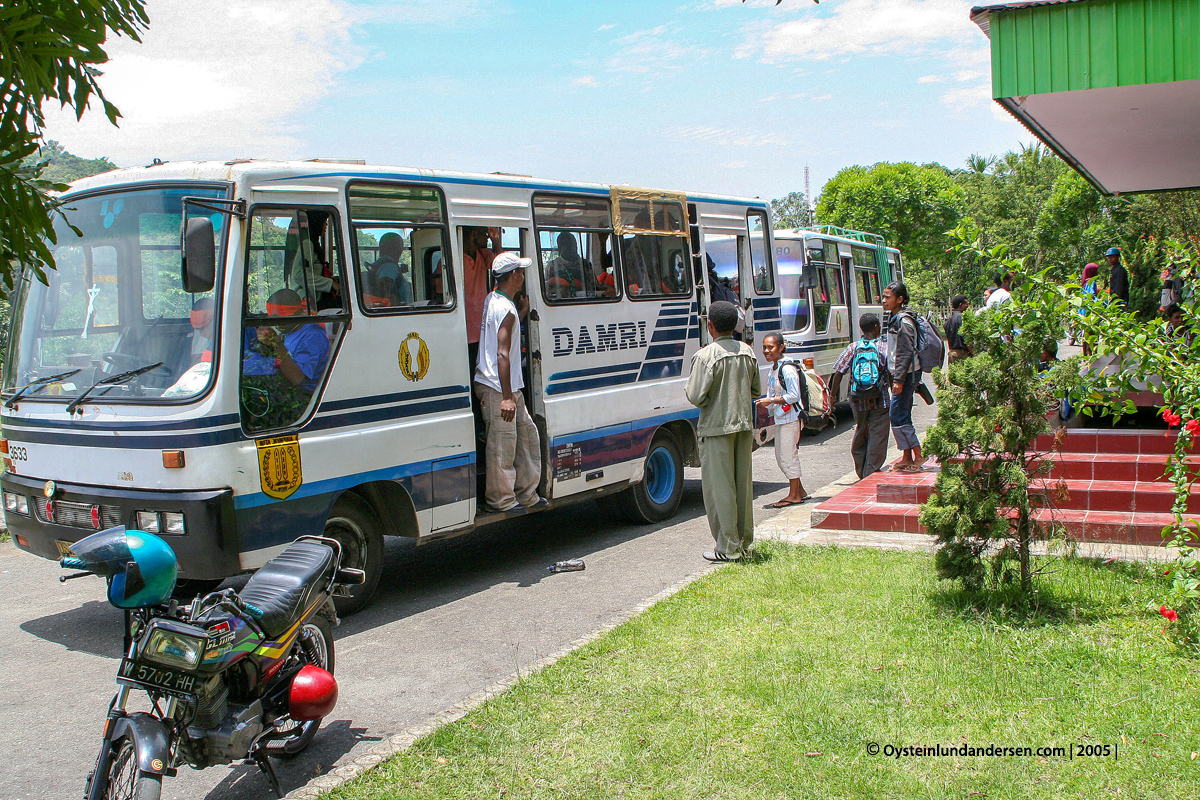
x=287 y=584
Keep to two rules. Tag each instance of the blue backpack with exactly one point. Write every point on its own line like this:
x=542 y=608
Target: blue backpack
x=866 y=371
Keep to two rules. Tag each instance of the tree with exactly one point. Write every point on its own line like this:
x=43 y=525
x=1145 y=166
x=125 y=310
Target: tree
x=49 y=50
x=792 y=211
x=912 y=206
x=991 y=407
x=64 y=167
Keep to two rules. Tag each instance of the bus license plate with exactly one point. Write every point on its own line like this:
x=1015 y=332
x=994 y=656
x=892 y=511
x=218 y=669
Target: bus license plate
x=171 y=680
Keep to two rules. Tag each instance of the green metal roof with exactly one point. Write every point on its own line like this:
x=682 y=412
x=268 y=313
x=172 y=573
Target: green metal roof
x=1093 y=44
x=1112 y=86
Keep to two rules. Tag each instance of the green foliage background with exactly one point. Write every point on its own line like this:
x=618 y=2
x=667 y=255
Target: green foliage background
x=1028 y=200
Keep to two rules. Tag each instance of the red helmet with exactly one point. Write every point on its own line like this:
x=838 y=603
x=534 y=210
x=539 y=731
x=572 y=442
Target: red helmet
x=313 y=694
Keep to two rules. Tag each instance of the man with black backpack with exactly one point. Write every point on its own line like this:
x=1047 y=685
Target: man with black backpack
x=865 y=361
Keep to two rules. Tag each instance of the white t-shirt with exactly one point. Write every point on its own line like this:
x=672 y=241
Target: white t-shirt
x=496 y=308
x=997 y=297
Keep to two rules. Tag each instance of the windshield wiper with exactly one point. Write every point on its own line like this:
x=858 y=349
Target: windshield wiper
x=12 y=401
x=110 y=381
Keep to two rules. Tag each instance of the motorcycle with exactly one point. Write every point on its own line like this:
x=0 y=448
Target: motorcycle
x=232 y=677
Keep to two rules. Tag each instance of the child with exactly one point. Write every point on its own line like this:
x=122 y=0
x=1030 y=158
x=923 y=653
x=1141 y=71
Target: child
x=783 y=402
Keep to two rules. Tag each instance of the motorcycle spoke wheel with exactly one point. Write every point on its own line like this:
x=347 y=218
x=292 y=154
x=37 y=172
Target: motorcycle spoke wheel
x=126 y=781
x=298 y=735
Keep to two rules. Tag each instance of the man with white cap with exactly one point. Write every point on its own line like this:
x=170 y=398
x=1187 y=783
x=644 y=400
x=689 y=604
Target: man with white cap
x=513 y=458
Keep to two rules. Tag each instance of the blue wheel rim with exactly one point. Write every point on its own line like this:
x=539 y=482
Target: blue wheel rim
x=660 y=476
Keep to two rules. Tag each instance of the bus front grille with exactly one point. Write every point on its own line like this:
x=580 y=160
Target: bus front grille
x=78 y=515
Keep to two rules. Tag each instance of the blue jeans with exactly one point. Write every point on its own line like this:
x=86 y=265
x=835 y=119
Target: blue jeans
x=901 y=414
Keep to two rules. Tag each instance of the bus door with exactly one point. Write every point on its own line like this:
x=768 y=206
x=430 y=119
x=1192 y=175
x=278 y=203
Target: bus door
x=492 y=221
x=759 y=289
x=852 y=308
x=725 y=252
x=404 y=374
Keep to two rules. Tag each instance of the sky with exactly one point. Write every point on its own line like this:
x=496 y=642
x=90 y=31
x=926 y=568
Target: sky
x=715 y=96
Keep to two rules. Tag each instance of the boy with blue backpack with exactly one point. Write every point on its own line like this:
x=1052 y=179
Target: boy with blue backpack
x=865 y=361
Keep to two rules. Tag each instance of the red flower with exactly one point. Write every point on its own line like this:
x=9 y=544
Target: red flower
x=1168 y=613
x=1193 y=426
x=1171 y=417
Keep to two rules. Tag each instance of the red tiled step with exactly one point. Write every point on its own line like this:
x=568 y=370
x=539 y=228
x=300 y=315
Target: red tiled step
x=1083 y=440
x=1112 y=466
x=1154 y=497
x=1093 y=526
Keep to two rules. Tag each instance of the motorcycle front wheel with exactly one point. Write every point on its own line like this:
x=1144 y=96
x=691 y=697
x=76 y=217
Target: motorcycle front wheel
x=315 y=647
x=125 y=780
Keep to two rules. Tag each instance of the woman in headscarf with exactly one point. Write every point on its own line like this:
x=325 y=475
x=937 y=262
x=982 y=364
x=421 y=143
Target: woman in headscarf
x=1091 y=271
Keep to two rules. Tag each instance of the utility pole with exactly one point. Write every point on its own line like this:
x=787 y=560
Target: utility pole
x=808 y=206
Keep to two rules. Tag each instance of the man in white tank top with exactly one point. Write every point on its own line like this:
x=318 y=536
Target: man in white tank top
x=513 y=458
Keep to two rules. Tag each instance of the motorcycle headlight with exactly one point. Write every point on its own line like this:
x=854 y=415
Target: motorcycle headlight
x=173 y=648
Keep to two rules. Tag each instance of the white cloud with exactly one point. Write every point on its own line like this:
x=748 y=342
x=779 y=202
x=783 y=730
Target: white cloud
x=931 y=79
x=964 y=75
x=969 y=96
x=728 y=137
x=585 y=80
x=214 y=78
x=606 y=27
x=652 y=49
x=876 y=27
x=419 y=12
x=824 y=97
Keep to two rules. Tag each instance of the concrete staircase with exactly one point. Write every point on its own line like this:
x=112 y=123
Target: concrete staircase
x=1105 y=486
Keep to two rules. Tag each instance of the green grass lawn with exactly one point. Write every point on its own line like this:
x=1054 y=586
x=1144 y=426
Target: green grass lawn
x=768 y=680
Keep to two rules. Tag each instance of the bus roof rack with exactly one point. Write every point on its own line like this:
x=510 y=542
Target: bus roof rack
x=847 y=233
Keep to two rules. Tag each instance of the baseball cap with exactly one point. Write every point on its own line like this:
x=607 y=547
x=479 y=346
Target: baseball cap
x=507 y=262
x=1113 y=251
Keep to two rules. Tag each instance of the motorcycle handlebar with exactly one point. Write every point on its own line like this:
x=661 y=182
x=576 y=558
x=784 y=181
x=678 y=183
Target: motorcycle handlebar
x=70 y=562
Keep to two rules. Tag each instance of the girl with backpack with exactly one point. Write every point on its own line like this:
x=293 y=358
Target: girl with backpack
x=904 y=364
x=784 y=401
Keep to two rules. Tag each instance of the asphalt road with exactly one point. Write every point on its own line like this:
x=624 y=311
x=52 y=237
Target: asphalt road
x=450 y=618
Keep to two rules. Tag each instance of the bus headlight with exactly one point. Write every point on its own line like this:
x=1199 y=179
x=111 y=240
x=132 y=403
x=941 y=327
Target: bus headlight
x=147 y=521
x=17 y=503
x=173 y=522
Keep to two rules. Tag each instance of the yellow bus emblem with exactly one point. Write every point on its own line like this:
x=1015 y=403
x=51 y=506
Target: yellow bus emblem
x=414 y=368
x=279 y=470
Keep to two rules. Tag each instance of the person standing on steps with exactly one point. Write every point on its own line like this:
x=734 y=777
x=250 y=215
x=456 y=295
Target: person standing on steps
x=784 y=403
x=723 y=383
x=904 y=365
x=513 y=461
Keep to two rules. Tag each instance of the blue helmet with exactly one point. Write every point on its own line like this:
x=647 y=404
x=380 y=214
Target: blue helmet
x=140 y=567
x=1113 y=251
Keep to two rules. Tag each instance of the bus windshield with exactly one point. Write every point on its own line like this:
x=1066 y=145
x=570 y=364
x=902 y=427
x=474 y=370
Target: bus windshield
x=116 y=303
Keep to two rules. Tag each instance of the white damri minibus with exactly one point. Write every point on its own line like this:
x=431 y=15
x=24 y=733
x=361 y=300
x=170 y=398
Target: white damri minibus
x=138 y=390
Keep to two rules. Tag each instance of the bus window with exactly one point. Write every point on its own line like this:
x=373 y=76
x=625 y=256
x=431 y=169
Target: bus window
x=868 y=287
x=821 y=299
x=654 y=251
x=789 y=258
x=575 y=236
x=287 y=337
x=400 y=246
x=836 y=294
x=760 y=265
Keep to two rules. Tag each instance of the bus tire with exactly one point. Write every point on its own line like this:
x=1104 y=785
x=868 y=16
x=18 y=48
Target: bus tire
x=355 y=526
x=657 y=496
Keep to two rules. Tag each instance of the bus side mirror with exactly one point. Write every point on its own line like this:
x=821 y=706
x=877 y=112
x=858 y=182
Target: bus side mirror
x=808 y=277
x=199 y=256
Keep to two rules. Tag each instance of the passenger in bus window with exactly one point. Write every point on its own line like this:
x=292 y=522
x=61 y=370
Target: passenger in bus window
x=306 y=269
x=386 y=276
x=565 y=272
x=201 y=318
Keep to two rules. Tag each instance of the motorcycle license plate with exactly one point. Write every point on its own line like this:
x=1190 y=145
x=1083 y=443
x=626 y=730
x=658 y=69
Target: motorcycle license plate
x=170 y=680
